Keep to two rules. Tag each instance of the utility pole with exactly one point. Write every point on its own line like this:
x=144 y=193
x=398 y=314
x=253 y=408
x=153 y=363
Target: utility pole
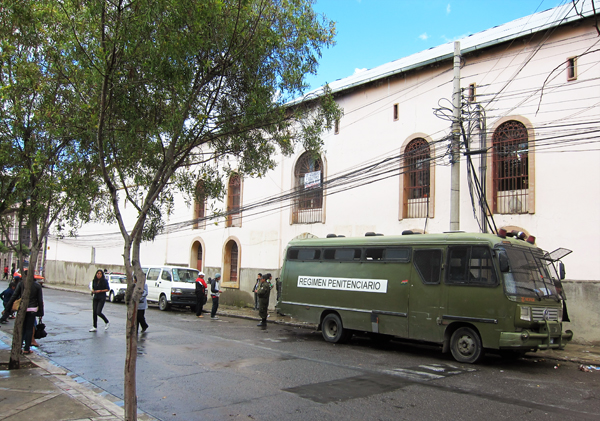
x=455 y=168
x=482 y=165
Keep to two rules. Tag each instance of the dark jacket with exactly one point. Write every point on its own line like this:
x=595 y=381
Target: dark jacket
x=6 y=294
x=36 y=298
x=100 y=284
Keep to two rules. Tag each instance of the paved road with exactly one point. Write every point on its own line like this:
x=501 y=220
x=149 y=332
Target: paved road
x=192 y=369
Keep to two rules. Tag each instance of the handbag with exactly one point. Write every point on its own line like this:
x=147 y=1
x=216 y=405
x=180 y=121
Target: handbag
x=40 y=330
x=16 y=304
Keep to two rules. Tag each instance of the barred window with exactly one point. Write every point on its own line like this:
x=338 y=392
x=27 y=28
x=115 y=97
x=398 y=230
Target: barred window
x=416 y=179
x=234 y=201
x=308 y=204
x=511 y=168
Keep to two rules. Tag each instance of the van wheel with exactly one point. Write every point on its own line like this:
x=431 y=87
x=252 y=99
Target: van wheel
x=333 y=331
x=163 y=305
x=465 y=345
x=111 y=297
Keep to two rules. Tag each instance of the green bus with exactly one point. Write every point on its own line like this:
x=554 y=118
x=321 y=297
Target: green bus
x=468 y=292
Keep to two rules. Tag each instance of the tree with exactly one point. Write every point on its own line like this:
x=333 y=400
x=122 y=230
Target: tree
x=45 y=174
x=171 y=88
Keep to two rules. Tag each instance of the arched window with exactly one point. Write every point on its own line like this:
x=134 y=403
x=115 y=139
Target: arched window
x=199 y=206
x=231 y=262
x=417 y=179
x=510 y=168
x=308 y=204
x=197 y=255
x=234 y=201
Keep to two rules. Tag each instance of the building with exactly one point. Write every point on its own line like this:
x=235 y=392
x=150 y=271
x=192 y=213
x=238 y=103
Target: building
x=530 y=113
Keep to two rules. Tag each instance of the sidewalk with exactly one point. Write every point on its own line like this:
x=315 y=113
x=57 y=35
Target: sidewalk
x=41 y=390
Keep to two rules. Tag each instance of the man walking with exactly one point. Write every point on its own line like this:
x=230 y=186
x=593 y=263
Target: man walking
x=264 y=291
x=215 y=293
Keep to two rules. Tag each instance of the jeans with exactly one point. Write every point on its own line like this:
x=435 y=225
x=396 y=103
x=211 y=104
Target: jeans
x=97 y=306
x=215 y=306
x=141 y=319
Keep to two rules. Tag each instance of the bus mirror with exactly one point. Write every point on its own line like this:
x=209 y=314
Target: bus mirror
x=503 y=260
x=561 y=270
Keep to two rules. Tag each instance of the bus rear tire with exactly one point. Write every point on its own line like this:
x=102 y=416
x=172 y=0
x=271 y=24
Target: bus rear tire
x=333 y=331
x=465 y=345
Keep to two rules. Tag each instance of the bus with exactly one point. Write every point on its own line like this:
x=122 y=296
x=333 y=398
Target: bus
x=468 y=292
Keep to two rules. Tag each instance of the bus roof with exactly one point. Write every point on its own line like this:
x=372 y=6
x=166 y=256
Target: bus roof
x=414 y=239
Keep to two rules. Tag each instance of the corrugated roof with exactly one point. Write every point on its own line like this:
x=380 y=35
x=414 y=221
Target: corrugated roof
x=531 y=24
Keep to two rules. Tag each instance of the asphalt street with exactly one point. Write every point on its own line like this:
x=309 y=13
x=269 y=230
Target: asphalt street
x=192 y=369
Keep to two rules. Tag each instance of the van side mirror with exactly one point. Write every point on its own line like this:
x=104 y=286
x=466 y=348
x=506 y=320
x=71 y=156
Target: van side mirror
x=503 y=261
x=561 y=270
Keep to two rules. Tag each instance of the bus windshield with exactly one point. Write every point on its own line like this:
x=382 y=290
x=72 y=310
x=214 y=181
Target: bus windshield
x=528 y=275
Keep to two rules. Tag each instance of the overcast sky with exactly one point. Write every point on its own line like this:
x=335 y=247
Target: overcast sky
x=374 y=32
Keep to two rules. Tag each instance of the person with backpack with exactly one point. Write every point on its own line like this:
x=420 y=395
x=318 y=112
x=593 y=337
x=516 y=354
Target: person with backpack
x=215 y=293
x=201 y=293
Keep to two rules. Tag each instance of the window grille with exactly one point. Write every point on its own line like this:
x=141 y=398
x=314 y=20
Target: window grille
x=234 y=216
x=199 y=206
x=233 y=266
x=308 y=204
x=511 y=168
x=416 y=179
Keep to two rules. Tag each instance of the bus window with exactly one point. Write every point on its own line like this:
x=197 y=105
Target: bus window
x=429 y=265
x=309 y=254
x=374 y=254
x=398 y=254
x=347 y=254
x=329 y=254
x=470 y=265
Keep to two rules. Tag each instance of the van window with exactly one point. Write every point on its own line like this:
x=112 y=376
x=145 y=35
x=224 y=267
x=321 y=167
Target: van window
x=470 y=265
x=166 y=275
x=152 y=274
x=429 y=265
x=185 y=275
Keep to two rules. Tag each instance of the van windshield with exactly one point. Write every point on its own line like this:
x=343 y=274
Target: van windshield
x=185 y=275
x=528 y=275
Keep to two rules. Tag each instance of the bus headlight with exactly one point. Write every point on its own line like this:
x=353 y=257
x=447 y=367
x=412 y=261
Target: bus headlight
x=526 y=314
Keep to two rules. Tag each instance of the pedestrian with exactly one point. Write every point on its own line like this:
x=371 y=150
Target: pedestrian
x=141 y=310
x=12 y=270
x=215 y=293
x=99 y=289
x=35 y=307
x=6 y=296
x=201 y=294
x=255 y=289
x=264 y=292
x=5 y=273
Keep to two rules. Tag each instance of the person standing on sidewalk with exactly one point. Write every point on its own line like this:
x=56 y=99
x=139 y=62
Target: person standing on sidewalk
x=141 y=310
x=264 y=292
x=99 y=289
x=5 y=272
x=201 y=292
x=255 y=290
x=35 y=307
x=215 y=293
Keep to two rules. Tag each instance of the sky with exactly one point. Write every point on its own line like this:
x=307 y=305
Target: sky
x=374 y=32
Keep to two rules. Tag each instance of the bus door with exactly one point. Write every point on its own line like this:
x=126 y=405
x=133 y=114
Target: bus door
x=472 y=289
x=425 y=299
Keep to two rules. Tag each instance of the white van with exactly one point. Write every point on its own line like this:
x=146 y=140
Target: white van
x=171 y=286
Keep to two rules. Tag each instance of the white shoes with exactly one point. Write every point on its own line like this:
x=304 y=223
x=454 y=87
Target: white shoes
x=93 y=329
x=107 y=326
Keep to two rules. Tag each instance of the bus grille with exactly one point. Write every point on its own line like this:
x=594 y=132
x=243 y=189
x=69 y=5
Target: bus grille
x=538 y=313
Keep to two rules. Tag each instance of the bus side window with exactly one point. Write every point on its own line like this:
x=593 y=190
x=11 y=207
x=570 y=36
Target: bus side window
x=374 y=254
x=457 y=264
x=309 y=254
x=347 y=254
x=429 y=265
x=470 y=265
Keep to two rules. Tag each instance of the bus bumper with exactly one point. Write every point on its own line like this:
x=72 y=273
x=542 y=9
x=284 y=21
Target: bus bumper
x=550 y=336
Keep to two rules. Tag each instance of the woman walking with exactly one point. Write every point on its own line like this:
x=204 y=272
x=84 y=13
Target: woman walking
x=99 y=289
x=35 y=307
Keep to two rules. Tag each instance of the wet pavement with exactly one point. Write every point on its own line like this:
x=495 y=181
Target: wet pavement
x=42 y=390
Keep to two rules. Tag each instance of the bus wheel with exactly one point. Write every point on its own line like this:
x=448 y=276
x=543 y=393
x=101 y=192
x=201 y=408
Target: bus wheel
x=333 y=331
x=466 y=345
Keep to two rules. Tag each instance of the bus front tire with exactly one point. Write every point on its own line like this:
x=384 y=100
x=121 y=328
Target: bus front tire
x=465 y=345
x=333 y=330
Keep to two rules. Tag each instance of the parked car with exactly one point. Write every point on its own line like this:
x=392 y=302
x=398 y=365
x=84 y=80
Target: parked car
x=39 y=278
x=117 y=284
